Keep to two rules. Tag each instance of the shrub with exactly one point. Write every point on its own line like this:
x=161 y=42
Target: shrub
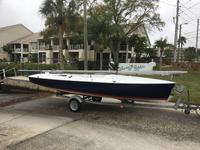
x=32 y=66
x=190 y=54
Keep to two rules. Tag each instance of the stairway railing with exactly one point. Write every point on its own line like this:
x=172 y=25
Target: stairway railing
x=3 y=73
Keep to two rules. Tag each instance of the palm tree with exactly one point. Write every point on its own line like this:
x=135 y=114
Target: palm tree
x=58 y=16
x=139 y=44
x=181 y=42
x=98 y=23
x=162 y=44
x=54 y=12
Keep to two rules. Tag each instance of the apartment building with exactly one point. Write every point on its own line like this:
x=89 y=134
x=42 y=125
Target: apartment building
x=9 y=34
x=35 y=49
x=31 y=47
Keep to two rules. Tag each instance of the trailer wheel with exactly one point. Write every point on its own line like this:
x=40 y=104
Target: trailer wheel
x=74 y=105
x=187 y=111
x=96 y=99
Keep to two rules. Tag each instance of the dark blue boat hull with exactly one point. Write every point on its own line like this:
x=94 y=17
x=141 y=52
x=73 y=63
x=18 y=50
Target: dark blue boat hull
x=113 y=90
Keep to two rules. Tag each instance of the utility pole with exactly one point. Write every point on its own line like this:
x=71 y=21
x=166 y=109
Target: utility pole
x=176 y=29
x=197 y=38
x=179 y=42
x=38 y=54
x=85 y=37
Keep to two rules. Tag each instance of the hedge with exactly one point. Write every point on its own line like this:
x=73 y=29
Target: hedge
x=32 y=66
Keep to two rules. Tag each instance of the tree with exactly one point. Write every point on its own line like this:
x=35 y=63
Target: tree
x=190 y=54
x=168 y=53
x=127 y=16
x=8 y=48
x=139 y=44
x=60 y=18
x=98 y=25
x=162 y=44
x=150 y=53
x=198 y=55
x=181 y=42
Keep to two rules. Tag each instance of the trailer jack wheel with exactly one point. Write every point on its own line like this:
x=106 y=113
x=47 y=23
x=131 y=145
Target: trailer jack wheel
x=74 y=105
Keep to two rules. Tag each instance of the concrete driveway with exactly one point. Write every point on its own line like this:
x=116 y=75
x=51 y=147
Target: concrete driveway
x=47 y=124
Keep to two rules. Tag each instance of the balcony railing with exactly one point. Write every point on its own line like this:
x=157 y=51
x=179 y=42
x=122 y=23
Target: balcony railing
x=44 y=47
x=55 y=47
x=25 y=50
x=76 y=46
x=17 y=50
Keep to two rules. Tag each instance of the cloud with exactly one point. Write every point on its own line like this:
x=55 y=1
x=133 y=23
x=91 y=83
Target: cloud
x=26 y=12
x=168 y=11
x=21 y=11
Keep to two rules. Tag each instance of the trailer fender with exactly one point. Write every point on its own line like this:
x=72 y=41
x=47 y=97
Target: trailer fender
x=77 y=97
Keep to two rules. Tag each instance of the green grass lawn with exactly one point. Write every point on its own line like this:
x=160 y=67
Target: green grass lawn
x=191 y=80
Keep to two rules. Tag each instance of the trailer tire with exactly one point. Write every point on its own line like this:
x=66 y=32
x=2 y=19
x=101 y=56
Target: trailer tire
x=187 y=111
x=74 y=105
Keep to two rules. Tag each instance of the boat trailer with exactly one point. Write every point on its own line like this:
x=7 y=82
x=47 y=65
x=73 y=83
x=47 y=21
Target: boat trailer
x=180 y=94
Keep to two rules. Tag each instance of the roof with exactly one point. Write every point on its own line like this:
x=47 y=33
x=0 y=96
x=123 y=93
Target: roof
x=13 y=26
x=13 y=32
x=29 y=38
x=140 y=30
x=147 y=35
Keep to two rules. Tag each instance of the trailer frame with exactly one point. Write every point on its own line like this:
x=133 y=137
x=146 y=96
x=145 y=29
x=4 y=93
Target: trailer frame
x=183 y=101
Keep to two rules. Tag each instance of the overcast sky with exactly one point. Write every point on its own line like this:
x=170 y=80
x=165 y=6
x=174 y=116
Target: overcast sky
x=26 y=12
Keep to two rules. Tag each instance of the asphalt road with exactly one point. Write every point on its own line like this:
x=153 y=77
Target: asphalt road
x=46 y=123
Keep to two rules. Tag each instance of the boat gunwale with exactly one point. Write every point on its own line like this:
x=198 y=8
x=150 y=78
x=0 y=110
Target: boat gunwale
x=111 y=82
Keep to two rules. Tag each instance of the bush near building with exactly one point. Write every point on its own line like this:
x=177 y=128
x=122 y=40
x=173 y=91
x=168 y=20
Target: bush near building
x=186 y=66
